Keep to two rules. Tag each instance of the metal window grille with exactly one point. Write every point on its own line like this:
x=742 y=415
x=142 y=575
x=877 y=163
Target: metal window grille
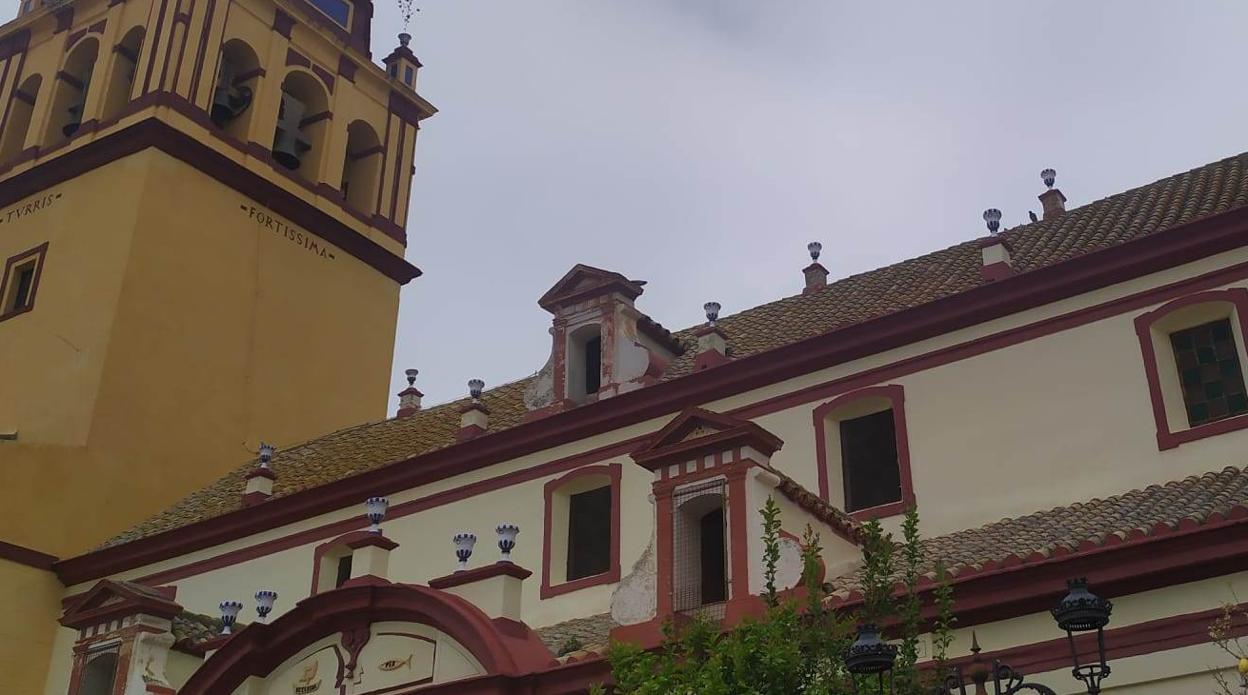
x=1208 y=363
x=700 y=549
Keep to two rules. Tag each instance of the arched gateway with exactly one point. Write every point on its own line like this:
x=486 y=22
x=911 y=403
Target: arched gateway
x=373 y=638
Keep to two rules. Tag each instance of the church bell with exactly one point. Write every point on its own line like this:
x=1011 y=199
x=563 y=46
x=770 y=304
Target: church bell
x=76 y=108
x=228 y=100
x=289 y=142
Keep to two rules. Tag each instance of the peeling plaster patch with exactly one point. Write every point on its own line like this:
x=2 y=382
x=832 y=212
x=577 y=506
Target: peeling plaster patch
x=633 y=601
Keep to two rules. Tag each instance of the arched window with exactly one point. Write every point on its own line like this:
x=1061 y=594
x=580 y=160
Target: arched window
x=361 y=171
x=69 y=93
x=700 y=548
x=120 y=84
x=1194 y=352
x=99 y=675
x=302 y=125
x=238 y=76
x=13 y=139
x=863 y=452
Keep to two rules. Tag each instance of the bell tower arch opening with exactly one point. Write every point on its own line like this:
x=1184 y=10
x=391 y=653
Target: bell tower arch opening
x=362 y=169
x=302 y=125
x=238 y=79
x=69 y=93
x=13 y=139
x=120 y=85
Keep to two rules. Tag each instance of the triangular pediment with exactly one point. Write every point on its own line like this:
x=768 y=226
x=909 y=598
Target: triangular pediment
x=109 y=599
x=697 y=428
x=585 y=281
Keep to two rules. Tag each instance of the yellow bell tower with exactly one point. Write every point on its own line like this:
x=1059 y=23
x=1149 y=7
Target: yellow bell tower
x=202 y=210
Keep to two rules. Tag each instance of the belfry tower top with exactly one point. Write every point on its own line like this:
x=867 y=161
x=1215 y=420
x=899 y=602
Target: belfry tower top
x=205 y=203
x=278 y=97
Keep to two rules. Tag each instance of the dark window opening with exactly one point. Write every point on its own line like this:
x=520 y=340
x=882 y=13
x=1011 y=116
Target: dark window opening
x=1209 y=370
x=589 y=533
x=712 y=557
x=23 y=284
x=593 y=364
x=99 y=675
x=869 y=461
x=344 y=571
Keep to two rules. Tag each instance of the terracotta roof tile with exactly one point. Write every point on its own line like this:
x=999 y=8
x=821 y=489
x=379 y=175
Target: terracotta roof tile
x=1179 y=199
x=191 y=629
x=1086 y=525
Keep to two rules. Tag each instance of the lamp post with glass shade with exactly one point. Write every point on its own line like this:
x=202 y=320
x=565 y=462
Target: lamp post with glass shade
x=1083 y=611
x=1079 y=611
x=869 y=655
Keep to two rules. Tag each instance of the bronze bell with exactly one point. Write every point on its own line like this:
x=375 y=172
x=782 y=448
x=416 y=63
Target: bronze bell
x=75 y=110
x=229 y=101
x=289 y=142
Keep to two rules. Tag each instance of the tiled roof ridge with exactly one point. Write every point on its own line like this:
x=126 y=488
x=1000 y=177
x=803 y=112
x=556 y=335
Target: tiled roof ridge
x=1167 y=202
x=1206 y=499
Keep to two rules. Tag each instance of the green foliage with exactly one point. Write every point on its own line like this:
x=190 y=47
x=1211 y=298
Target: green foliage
x=771 y=550
x=798 y=646
x=942 y=634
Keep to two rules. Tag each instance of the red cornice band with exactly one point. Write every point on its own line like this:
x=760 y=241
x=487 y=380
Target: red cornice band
x=1079 y=275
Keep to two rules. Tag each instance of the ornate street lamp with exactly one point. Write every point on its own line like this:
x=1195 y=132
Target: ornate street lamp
x=1084 y=611
x=869 y=655
x=1079 y=611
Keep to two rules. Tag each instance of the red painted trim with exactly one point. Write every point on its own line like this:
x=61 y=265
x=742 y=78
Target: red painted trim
x=347 y=68
x=14 y=43
x=283 y=23
x=201 y=49
x=345 y=528
x=614 y=473
x=1084 y=273
x=156 y=44
x=735 y=501
x=896 y=396
x=664 y=552
x=315 y=118
x=1148 y=637
x=326 y=76
x=294 y=57
x=109 y=600
x=318 y=553
x=251 y=499
x=669 y=446
x=468 y=432
x=152 y=132
x=996 y=271
x=509 y=649
x=373 y=540
x=64 y=18
x=476 y=574
x=39 y=253
x=26 y=556
x=1236 y=297
x=1162 y=557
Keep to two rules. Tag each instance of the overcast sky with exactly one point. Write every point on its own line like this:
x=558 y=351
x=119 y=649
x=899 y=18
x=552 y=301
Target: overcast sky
x=699 y=144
